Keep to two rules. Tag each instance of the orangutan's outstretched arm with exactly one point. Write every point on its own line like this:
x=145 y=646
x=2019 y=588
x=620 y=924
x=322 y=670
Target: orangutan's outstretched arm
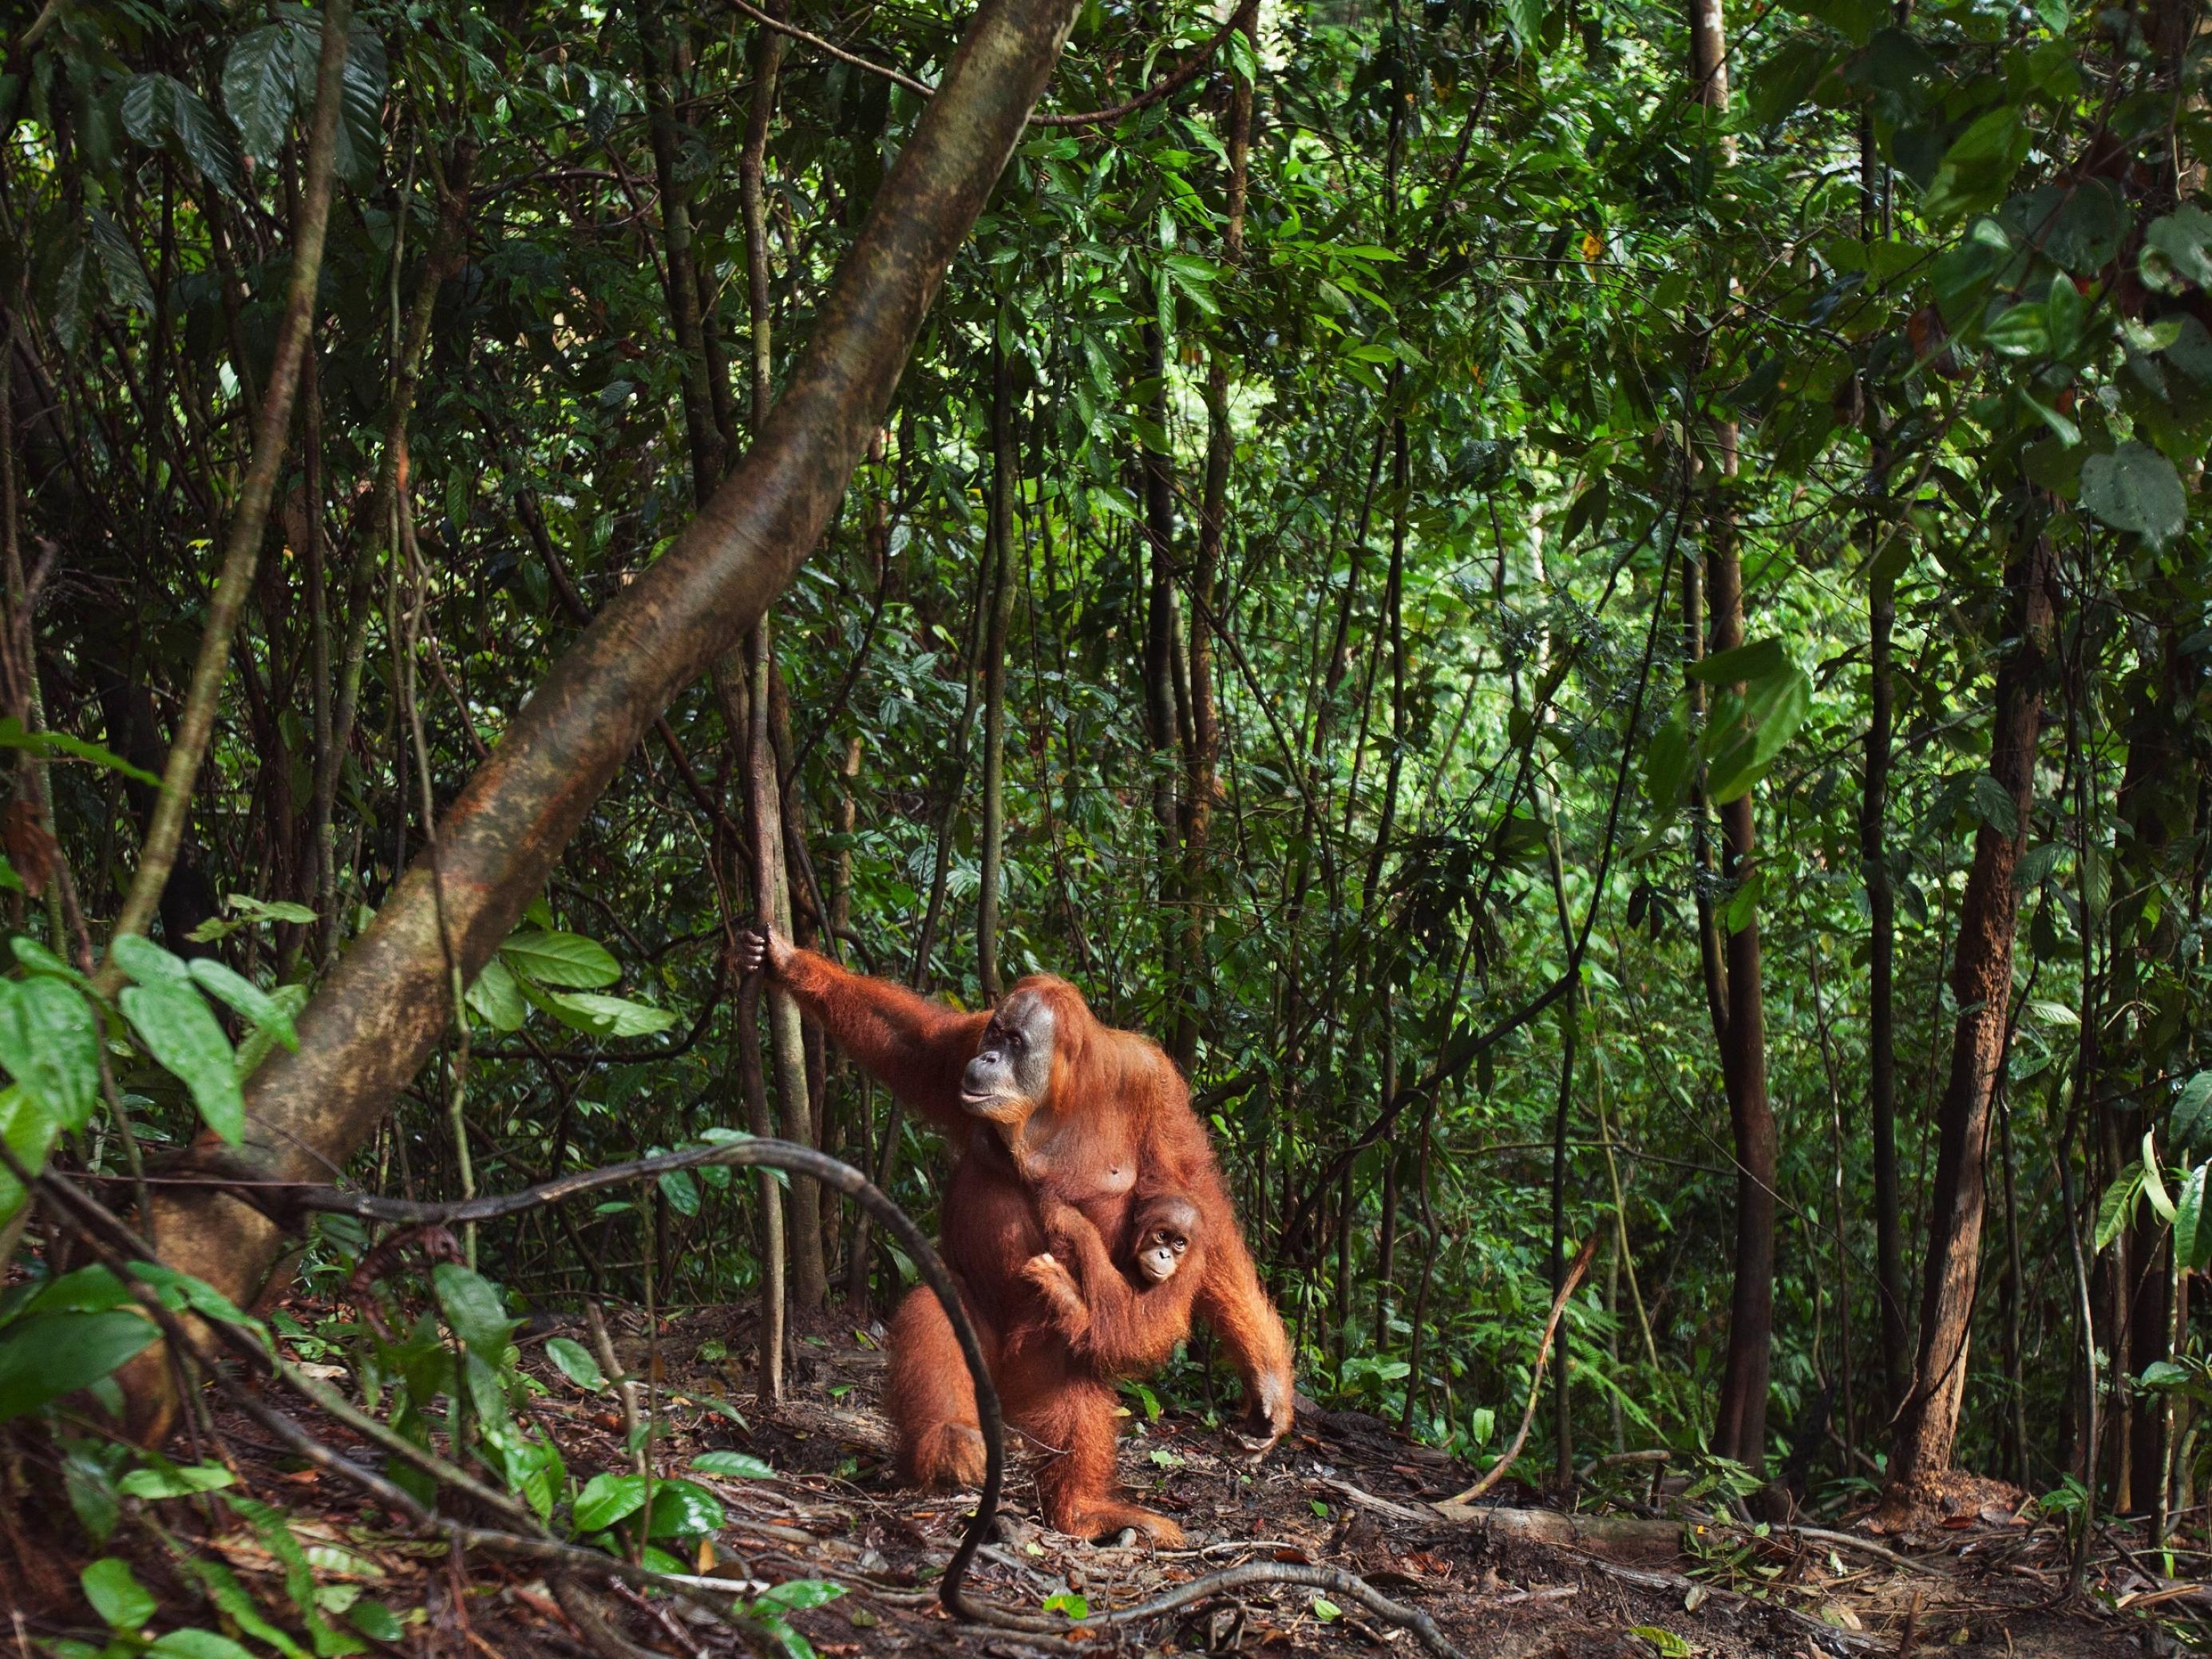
x=915 y=1048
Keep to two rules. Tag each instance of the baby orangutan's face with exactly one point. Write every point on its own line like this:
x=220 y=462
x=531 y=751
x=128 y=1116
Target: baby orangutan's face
x=1160 y=1254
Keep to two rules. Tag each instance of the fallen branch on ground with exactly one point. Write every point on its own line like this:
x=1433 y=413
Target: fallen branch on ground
x=285 y=1202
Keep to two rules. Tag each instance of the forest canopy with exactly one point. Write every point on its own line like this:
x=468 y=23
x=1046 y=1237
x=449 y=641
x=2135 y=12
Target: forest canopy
x=1595 y=614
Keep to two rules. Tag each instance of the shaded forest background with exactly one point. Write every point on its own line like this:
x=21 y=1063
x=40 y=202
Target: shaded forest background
x=1597 y=616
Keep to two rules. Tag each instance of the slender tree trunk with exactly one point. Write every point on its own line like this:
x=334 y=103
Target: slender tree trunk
x=1160 y=723
x=1006 y=480
x=1199 y=783
x=1740 y=1431
x=1874 y=859
x=1927 y=1425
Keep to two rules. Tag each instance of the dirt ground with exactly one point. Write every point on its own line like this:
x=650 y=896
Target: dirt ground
x=1343 y=1491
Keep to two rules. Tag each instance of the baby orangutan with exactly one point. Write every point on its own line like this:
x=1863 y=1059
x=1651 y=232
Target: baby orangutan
x=1164 y=1229
x=1105 y=1312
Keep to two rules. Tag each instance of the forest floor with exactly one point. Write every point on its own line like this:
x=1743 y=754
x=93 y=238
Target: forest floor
x=1344 y=1490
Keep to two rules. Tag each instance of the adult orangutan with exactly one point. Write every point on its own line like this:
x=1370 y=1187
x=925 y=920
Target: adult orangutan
x=1065 y=1128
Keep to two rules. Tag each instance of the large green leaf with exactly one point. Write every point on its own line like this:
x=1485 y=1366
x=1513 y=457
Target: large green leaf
x=472 y=1308
x=606 y=1016
x=495 y=997
x=2192 y=1228
x=2135 y=487
x=50 y=1043
x=2118 y=1203
x=162 y=112
x=243 y=995
x=180 y=1032
x=48 y=1355
x=258 y=90
x=2191 y=1127
x=116 y=1595
x=607 y=1498
x=30 y=1130
x=683 y=1509
x=569 y=960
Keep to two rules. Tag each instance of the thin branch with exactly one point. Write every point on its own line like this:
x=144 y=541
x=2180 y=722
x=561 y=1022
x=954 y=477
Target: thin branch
x=242 y=552
x=1496 y=1471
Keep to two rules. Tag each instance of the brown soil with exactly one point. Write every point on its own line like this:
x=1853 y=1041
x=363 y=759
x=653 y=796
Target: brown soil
x=1343 y=1490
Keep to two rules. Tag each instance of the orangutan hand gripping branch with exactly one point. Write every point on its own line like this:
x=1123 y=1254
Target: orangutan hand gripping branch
x=1069 y=1132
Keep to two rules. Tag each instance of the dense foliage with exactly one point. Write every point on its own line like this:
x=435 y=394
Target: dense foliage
x=1373 y=732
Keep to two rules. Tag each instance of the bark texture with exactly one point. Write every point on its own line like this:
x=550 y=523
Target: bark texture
x=1981 y=979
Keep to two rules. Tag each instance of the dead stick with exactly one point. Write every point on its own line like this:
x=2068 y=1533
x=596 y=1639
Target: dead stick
x=1496 y=1471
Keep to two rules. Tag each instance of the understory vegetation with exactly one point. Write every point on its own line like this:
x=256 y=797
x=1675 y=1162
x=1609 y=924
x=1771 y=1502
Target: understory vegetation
x=1597 y=615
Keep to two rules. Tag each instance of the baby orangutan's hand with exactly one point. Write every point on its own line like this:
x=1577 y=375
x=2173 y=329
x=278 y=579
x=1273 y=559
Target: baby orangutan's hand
x=1063 y=1298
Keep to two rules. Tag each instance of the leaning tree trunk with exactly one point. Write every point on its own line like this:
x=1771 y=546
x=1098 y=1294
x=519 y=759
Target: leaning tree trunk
x=390 y=999
x=1927 y=1424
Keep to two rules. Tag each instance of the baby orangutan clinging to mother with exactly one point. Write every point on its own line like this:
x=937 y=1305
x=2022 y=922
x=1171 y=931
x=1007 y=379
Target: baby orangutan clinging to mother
x=1071 y=1138
x=1104 y=1313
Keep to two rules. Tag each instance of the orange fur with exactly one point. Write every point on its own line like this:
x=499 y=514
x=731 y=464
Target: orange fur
x=1115 y=1128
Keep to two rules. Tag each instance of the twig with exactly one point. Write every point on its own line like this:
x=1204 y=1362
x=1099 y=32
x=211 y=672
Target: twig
x=1497 y=1472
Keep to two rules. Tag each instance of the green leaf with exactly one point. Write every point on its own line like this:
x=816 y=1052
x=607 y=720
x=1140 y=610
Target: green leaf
x=259 y=89
x=495 y=997
x=606 y=1015
x=472 y=1308
x=739 y=1466
x=163 y=113
x=2022 y=331
x=50 y=1043
x=683 y=1509
x=1994 y=805
x=1666 y=765
x=196 y=1644
x=1664 y=1643
x=116 y=1595
x=799 y=1594
x=2154 y=1184
x=1068 y=1603
x=118 y=259
x=167 y=1479
x=48 y=1355
x=607 y=1498
x=30 y=1131
x=147 y=962
x=1325 y=1610
x=2135 y=487
x=51 y=745
x=289 y=1001
x=246 y=998
x=563 y=959
x=1761 y=660
x=181 y=1032
x=2193 y=1238
x=681 y=1191
x=374 y=1621
x=2189 y=1125
x=2117 y=1205
x=575 y=1363
x=1771 y=716
x=2178 y=249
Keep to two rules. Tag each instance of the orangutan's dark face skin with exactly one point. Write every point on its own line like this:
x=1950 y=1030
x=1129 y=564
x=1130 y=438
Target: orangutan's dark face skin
x=1012 y=1073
